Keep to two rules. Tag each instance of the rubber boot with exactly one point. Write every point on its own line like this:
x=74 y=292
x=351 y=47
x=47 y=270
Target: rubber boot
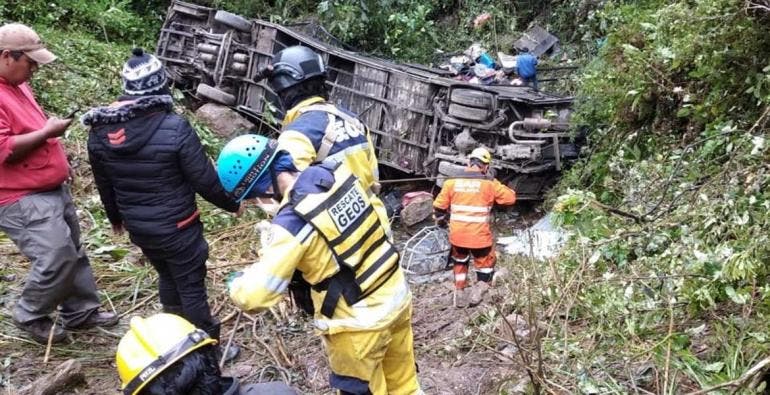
x=232 y=352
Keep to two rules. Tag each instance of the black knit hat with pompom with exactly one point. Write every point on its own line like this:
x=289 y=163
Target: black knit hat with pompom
x=143 y=74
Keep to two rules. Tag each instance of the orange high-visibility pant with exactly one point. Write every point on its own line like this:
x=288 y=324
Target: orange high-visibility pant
x=484 y=260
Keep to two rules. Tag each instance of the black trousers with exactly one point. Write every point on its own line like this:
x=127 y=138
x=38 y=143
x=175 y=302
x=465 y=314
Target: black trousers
x=180 y=260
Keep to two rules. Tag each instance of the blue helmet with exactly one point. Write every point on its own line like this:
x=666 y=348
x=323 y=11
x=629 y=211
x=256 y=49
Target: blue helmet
x=243 y=162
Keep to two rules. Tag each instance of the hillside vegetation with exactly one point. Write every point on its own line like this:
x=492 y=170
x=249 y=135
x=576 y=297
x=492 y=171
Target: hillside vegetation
x=664 y=287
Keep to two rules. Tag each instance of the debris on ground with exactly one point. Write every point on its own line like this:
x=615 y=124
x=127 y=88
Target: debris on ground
x=481 y=20
x=66 y=376
x=417 y=207
x=543 y=240
x=539 y=42
x=426 y=252
x=392 y=202
x=516 y=325
x=222 y=120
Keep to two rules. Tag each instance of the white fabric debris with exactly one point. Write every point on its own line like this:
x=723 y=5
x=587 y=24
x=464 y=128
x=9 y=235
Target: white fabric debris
x=546 y=240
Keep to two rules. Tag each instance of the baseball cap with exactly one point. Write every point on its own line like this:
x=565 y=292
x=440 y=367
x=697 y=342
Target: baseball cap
x=18 y=37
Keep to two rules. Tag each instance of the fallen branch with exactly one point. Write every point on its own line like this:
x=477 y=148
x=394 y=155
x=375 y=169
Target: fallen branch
x=65 y=376
x=230 y=339
x=613 y=210
x=761 y=5
x=50 y=339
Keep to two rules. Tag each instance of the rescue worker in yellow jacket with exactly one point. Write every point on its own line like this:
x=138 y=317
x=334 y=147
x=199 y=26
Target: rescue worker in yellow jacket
x=330 y=249
x=466 y=203
x=315 y=130
x=165 y=354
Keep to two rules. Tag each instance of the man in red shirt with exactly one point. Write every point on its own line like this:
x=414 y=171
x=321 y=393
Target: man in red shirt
x=467 y=200
x=36 y=209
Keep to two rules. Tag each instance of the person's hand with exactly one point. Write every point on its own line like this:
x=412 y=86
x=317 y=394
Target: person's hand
x=117 y=228
x=440 y=220
x=55 y=127
x=230 y=278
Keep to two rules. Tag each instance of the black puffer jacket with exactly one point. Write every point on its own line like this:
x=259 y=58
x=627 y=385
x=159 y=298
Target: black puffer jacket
x=148 y=164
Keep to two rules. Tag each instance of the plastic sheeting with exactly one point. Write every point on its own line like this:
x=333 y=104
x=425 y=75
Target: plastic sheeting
x=543 y=239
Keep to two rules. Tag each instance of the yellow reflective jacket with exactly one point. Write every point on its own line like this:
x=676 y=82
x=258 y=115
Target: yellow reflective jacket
x=305 y=127
x=327 y=226
x=316 y=131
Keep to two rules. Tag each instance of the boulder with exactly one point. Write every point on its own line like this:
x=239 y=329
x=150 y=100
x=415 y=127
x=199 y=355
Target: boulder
x=222 y=120
x=418 y=206
x=519 y=325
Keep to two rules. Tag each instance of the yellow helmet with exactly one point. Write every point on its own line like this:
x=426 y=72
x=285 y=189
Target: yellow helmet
x=153 y=344
x=481 y=154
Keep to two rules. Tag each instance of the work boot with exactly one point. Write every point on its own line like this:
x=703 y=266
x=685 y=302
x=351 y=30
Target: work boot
x=232 y=352
x=477 y=293
x=97 y=318
x=40 y=329
x=460 y=298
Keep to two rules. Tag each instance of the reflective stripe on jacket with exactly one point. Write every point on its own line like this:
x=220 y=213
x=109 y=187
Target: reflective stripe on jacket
x=305 y=127
x=469 y=199
x=346 y=230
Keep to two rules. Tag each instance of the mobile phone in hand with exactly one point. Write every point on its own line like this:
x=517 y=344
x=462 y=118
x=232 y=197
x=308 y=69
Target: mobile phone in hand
x=72 y=114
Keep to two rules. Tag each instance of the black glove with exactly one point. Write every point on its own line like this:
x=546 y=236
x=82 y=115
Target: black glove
x=441 y=221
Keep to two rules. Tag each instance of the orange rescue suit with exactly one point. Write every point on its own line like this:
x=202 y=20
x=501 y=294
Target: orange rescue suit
x=469 y=199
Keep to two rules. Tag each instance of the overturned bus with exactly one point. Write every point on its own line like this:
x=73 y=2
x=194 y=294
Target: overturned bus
x=423 y=123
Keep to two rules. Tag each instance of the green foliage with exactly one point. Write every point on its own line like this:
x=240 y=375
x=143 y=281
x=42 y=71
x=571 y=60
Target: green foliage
x=92 y=39
x=406 y=30
x=86 y=74
x=680 y=99
x=400 y=29
x=123 y=20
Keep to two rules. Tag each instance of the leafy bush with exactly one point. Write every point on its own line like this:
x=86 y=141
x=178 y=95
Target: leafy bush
x=121 y=20
x=671 y=207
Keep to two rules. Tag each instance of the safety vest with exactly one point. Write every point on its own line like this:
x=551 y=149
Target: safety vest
x=345 y=217
x=474 y=210
x=351 y=138
x=469 y=198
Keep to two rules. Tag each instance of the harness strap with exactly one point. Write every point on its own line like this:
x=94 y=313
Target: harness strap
x=331 y=133
x=342 y=284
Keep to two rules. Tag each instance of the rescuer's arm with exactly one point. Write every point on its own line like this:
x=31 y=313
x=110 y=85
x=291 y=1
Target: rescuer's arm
x=263 y=283
x=503 y=195
x=299 y=147
x=442 y=203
